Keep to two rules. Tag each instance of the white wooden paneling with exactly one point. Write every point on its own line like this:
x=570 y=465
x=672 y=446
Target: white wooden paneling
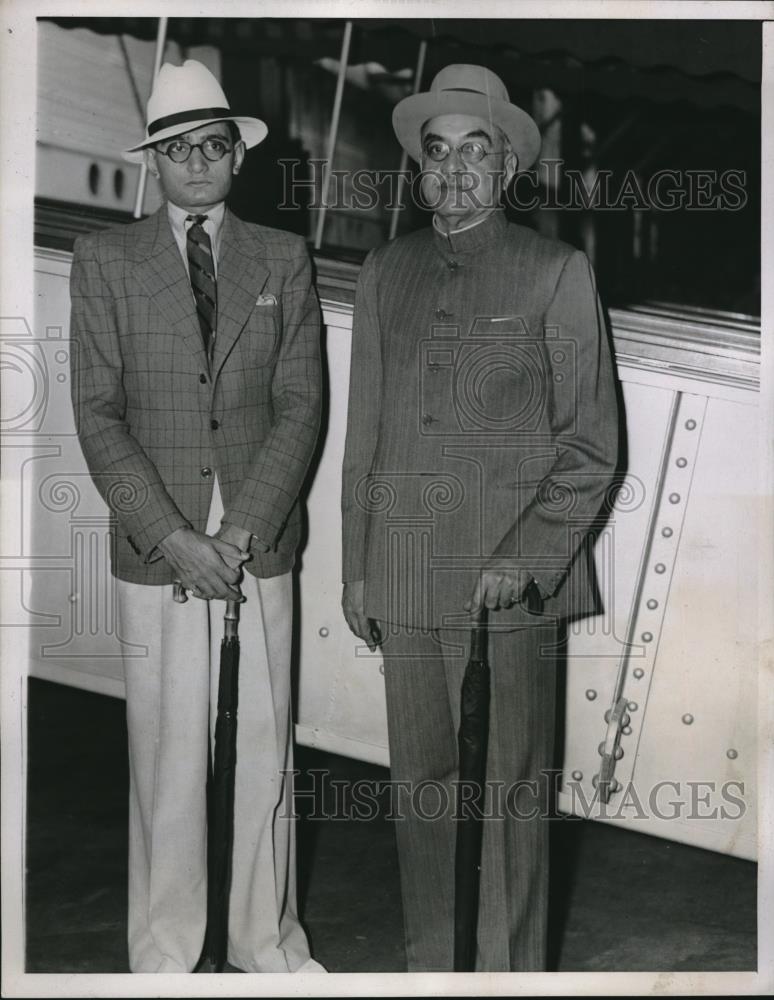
x=66 y=579
x=675 y=640
x=341 y=693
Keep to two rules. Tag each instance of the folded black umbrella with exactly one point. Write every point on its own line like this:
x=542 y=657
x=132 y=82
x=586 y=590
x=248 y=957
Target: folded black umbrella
x=472 y=742
x=220 y=798
x=220 y=790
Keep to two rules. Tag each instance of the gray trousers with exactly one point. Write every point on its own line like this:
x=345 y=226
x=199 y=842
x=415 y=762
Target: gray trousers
x=423 y=675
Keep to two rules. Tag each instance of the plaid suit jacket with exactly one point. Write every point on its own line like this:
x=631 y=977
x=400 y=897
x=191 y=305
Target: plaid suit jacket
x=156 y=424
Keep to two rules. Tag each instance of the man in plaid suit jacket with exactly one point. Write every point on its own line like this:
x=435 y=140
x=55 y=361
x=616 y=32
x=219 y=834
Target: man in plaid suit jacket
x=199 y=435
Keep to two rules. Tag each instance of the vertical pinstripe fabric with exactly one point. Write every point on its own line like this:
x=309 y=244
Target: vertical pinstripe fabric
x=423 y=675
x=482 y=432
x=482 y=421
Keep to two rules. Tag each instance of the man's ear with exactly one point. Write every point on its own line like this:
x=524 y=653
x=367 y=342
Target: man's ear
x=239 y=155
x=149 y=155
x=510 y=166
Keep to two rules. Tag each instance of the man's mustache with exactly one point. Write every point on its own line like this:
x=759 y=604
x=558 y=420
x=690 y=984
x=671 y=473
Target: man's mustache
x=462 y=188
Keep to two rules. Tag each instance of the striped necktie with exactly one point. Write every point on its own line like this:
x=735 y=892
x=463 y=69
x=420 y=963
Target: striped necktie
x=201 y=269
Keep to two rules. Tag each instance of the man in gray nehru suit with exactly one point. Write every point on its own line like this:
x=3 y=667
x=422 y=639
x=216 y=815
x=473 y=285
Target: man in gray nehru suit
x=481 y=442
x=196 y=386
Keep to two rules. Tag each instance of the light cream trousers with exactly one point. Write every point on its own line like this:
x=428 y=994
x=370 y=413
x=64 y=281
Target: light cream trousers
x=171 y=695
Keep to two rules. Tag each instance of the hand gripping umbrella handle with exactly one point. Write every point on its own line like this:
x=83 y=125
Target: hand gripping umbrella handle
x=231 y=617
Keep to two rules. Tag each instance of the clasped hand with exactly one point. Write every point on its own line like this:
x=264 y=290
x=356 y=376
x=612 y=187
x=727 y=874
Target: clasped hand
x=210 y=566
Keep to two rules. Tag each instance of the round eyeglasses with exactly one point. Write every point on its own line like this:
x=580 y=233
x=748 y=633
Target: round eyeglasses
x=212 y=149
x=470 y=152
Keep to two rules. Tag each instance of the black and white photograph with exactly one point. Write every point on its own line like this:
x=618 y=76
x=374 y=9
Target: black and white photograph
x=387 y=546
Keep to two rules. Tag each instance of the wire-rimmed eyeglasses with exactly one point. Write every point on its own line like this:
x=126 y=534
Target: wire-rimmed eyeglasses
x=470 y=151
x=212 y=149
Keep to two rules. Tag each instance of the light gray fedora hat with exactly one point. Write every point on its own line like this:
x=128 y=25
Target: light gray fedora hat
x=185 y=98
x=464 y=89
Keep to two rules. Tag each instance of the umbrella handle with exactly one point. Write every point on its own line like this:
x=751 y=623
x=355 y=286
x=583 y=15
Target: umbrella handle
x=479 y=634
x=178 y=593
x=231 y=620
x=481 y=617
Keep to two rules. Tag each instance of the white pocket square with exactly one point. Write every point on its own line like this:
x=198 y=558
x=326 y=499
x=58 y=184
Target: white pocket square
x=266 y=300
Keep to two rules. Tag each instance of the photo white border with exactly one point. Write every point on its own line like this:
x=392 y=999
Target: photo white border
x=18 y=48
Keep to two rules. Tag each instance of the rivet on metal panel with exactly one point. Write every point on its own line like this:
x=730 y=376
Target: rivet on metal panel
x=591 y=694
x=601 y=749
x=632 y=706
x=666 y=532
x=652 y=604
x=619 y=753
x=323 y=631
x=73 y=598
x=577 y=775
x=627 y=730
x=615 y=784
x=626 y=719
x=674 y=498
x=681 y=462
x=639 y=673
x=688 y=718
x=381 y=669
x=660 y=568
x=647 y=637
x=690 y=425
x=732 y=754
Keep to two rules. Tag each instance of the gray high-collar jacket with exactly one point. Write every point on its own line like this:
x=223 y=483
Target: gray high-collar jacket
x=483 y=423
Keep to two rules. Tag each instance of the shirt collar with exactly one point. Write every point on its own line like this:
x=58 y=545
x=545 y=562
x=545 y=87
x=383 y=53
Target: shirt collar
x=471 y=237
x=177 y=219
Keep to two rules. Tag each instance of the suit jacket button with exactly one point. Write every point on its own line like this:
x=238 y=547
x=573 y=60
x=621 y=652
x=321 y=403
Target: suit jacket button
x=206 y=472
x=214 y=424
x=203 y=378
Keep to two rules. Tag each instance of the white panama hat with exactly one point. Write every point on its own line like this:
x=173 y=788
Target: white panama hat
x=466 y=90
x=185 y=98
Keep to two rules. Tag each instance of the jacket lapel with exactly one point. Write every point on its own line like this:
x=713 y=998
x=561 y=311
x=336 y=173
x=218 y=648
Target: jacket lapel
x=241 y=277
x=159 y=267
